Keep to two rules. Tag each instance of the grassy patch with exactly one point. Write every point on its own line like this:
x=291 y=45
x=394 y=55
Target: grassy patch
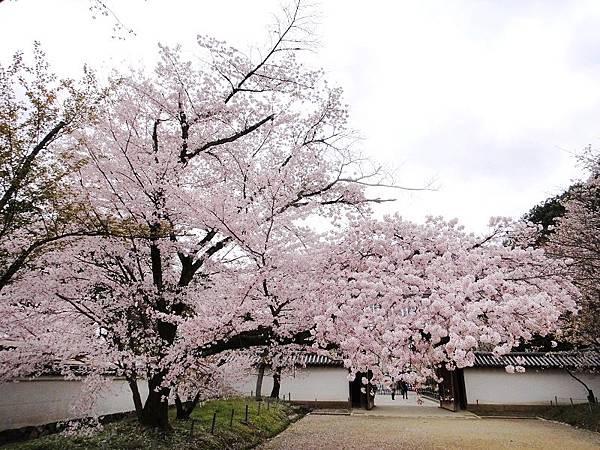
x=127 y=434
x=582 y=415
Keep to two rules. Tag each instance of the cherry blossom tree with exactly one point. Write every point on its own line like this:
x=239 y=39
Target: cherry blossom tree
x=407 y=299
x=567 y=228
x=577 y=238
x=201 y=180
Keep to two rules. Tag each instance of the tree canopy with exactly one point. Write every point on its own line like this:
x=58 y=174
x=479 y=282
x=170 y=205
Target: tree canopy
x=568 y=228
x=39 y=205
x=199 y=185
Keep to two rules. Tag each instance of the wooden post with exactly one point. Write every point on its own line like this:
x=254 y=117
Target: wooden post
x=251 y=393
x=550 y=402
x=212 y=427
x=246 y=412
x=556 y=400
x=231 y=419
x=289 y=396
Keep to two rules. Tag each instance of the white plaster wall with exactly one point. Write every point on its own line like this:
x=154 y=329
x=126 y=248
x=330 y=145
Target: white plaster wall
x=534 y=387
x=304 y=384
x=46 y=400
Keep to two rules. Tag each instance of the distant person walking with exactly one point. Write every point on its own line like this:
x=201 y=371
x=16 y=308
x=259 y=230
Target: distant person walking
x=404 y=389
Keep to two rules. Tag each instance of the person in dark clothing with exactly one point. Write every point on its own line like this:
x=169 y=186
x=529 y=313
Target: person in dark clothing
x=404 y=389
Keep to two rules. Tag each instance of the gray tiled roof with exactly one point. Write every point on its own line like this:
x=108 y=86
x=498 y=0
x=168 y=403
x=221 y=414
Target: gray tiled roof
x=320 y=360
x=586 y=359
x=583 y=359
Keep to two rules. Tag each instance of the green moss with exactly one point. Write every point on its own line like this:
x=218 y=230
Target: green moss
x=128 y=434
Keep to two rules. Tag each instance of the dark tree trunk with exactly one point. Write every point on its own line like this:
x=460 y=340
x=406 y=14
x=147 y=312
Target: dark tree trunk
x=590 y=393
x=259 y=380
x=155 y=413
x=137 y=400
x=591 y=397
x=184 y=409
x=179 y=407
x=276 y=383
x=156 y=409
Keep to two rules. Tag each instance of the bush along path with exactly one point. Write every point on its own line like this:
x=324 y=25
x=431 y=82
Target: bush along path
x=236 y=423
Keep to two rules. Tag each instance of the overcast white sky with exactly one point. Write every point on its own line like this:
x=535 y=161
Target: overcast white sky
x=490 y=98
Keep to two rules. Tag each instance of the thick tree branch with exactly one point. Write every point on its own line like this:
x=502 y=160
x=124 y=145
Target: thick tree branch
x=185 y=156
x=25 y=168
x=260 y=336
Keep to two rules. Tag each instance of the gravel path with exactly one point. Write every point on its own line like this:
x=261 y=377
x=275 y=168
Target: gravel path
x=372 y=432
